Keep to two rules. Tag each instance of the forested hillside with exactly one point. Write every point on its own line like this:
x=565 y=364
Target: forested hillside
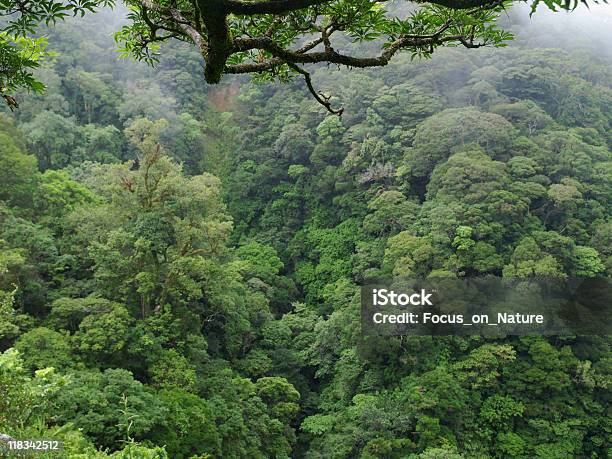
x=179 y=263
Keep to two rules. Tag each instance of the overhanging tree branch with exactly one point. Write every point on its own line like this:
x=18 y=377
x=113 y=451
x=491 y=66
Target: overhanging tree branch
x=216 y=41
x=277 y=37
x=330 y=55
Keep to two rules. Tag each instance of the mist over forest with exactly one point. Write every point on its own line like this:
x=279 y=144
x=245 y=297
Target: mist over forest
x=180 y=261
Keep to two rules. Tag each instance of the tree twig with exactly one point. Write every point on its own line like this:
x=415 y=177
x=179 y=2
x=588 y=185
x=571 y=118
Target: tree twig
x=320 y=97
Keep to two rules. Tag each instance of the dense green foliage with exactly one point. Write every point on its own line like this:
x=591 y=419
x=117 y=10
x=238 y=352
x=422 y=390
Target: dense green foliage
x=179 y=263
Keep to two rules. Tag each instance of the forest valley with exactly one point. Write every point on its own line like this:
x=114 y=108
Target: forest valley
x=180 y=262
